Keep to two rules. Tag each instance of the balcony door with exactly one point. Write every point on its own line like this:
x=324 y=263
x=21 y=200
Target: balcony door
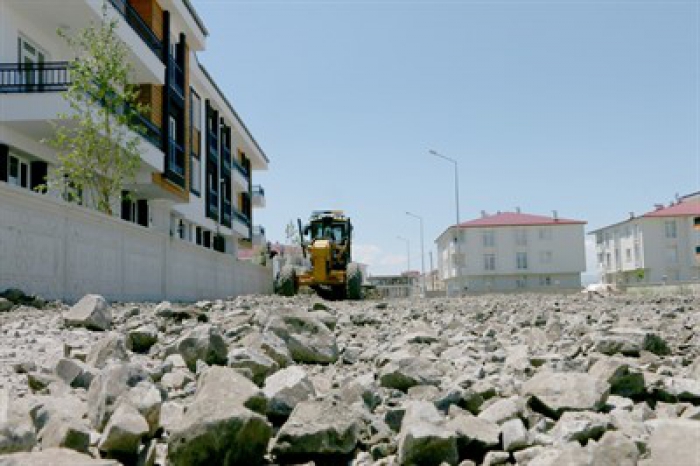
x=31 y=59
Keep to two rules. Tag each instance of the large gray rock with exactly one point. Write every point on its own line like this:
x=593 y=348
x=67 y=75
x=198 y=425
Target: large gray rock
x=317 y=428
x=140 y=339
x=205 y=343
x=307 y=338
x=616 y=449
x=5 y=305
x=630 y=342
x=147 y=399
x=123 y=433
x=404 y=372
x=580 y=427
x=54 y=457
x=111 y=348
x=91 y=312
x=65 y=432
x=424 y=439
x=503 y=410
x=222 y=425
x=617 y=373
x=677 y=389
x=475 y=436
x=674 y=441
x=514 y=435
x=16 y=433
x=553 y=392
x=287 y=388
x=256 y=362
x=74 y=372
x=106 y=389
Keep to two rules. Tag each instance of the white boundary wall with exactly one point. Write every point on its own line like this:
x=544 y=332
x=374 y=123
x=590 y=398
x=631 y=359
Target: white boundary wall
x=62 y=251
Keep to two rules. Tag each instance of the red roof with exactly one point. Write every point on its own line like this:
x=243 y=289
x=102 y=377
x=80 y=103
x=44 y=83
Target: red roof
x=511 y=219
x=680 y=209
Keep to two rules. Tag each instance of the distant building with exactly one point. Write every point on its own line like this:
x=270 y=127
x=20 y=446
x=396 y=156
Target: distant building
x=660 y=246
x=396 y=286
x=512 y=251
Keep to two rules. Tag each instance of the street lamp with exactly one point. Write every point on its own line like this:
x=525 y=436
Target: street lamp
x=437 y=154
x=408 y=252
x=422 y=250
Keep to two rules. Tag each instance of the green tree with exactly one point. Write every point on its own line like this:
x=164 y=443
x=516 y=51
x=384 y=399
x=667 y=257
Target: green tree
x=97 y=142
x=292 y=233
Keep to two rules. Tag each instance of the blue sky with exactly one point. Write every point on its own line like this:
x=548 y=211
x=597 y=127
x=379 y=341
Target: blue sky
x=589 y=108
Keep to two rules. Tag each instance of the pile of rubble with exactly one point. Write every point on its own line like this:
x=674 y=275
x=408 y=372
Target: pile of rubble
x=528 y=380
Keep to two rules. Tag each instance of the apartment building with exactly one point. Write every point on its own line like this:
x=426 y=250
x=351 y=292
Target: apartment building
x=512 y=251
x=195 y=181
x=661 y=246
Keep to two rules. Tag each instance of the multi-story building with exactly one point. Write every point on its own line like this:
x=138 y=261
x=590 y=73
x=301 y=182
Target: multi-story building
x=661 y=246
x=197 y=156
x=512 y=251
x=396 y=286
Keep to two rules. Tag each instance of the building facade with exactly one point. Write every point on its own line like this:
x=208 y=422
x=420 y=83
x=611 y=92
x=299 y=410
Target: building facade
x=396 y=286
x=195 y=181
x=661 y=246
x=512 y=251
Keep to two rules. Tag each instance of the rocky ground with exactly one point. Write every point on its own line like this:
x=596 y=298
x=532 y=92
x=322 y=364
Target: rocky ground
x=528 y=380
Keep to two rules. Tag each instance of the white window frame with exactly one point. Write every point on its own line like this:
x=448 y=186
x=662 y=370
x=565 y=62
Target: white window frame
x=521 y=260
x=488 y=238
x=546 y=257
x=671 y=228
x=521 y=237
x=545 y=234
x=490 y=262
x=17 y=181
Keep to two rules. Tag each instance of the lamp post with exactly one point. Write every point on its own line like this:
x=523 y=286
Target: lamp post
x=444 y=157
x=408 y=252
x=454 y=162
x=422 y=250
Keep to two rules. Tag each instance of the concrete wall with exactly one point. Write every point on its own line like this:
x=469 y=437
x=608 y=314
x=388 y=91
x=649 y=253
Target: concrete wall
x=62 y=251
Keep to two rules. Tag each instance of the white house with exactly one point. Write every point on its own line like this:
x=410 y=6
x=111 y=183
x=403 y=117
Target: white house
x=661 y=246
x=195 y=182
x=512 y=251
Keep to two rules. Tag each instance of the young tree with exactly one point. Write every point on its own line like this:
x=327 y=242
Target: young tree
x=292 y=233
x=97 y=153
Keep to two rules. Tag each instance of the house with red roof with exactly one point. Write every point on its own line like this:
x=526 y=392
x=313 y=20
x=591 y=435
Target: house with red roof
x=660 y=246
x=512 y=251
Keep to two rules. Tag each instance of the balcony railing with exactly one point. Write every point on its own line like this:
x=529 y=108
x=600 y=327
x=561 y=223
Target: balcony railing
x=19 y=78
x=137 y=23
x=175 y=167
x=241 y=217
x=226 y=214
x=177 y=77
x=258 y=190
x=22 y=78
x=240 y=168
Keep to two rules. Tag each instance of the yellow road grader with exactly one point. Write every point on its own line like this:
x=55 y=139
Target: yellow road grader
x=327 y=241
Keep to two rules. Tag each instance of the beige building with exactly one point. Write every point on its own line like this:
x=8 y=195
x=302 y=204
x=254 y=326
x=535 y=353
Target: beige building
x=512 y=251
x=661 y=246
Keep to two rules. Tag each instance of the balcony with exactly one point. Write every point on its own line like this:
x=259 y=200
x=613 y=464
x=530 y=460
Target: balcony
x=239 y=175
x=258 y=196
x=241 y=223
x=17 y=78
x=137 y=23
x=259 y=238
x=177 y=77
x=213 y=205
x=226 y=214
x=175 y=163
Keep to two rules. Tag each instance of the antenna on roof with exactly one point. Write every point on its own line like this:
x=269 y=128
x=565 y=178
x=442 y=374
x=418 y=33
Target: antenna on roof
x=517 y=210
x=555 y=214
x=484 y=214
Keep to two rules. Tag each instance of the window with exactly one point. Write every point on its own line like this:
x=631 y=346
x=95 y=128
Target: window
x=628 y=255
x=672 y=255
x=671 y=229
x=489 y=239
x=545 y=233
x=599 y=238
x=198 y=235
x=196 y=111
x=521 y=237
x=617 y=258
x=195 y=174
x=521 y=282
x=607 y=260
x=546 y=257
x=18 y=172
x=545 y=281
x=31 y=54
x=521 y=260
x=172 y=128
x=489 y=262
x=601 y=258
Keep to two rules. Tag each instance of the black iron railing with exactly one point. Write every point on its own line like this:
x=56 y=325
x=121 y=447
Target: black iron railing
x=241 y=217
x=19 y=78
x=177 y=77
x=152 y=131
x=226 y=214
x=137 y=23
x=175 y=168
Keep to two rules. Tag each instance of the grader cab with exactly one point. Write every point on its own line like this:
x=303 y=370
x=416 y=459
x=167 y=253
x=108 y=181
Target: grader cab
x=327 y=241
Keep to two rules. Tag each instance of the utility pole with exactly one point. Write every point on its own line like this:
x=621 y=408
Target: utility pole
x=422 y=249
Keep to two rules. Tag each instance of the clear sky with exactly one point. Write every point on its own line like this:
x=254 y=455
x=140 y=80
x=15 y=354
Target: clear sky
x=589 y=108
